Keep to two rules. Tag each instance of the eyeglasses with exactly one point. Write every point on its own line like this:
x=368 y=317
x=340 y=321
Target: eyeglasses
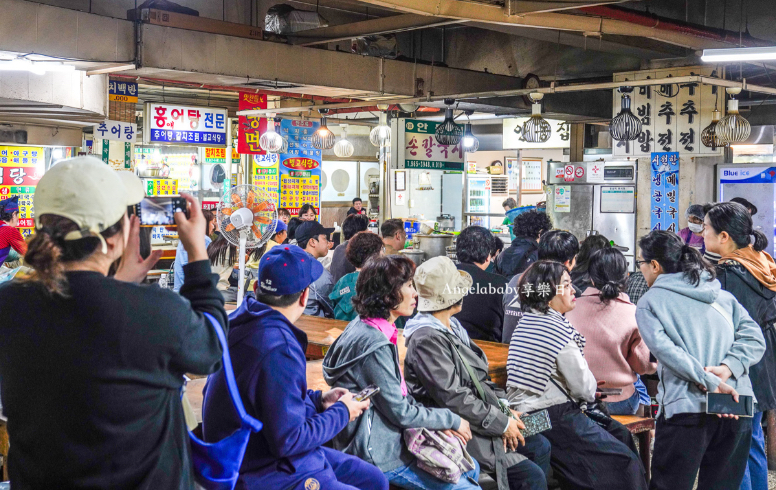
x=639 y=262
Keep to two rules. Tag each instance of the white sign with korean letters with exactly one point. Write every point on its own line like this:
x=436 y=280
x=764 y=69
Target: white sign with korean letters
x=116 y=131
x=513 y=139
x=166 y=123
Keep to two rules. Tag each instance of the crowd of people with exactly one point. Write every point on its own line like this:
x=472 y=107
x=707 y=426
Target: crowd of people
x=107 y=355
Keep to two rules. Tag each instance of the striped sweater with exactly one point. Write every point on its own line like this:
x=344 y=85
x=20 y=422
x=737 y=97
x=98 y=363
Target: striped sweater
x=534 y=347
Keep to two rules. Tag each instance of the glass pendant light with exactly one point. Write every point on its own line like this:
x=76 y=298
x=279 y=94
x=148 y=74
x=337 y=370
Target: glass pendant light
x=344 y=148
x=449 y=133
x=271 y=141
x=536 y=129
x=380 y=136
x=710 y=136
x=469 y=142
x=733 y=128
x=625 y=126
x=323 y=138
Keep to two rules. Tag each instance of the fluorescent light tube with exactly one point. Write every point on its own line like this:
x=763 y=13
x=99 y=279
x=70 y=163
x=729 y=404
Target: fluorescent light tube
x=738 y=54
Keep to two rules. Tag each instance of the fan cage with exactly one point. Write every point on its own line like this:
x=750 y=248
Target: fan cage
x=265 y=220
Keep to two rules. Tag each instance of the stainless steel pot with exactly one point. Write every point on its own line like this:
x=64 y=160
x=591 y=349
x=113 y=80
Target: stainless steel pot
x=417 y=256
x=435 y=245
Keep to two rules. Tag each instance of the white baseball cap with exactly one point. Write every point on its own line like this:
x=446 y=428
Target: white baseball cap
x=88 y=192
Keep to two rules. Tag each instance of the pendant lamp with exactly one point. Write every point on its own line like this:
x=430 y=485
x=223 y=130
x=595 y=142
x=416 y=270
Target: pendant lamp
x=733 y=128
x=380 y=136
x=344 y=148
x=449 y=133
x=271 y=141
x=710 y=136
x=323 y=138
x=469 y=142
x=625 y=126
x=536 y=129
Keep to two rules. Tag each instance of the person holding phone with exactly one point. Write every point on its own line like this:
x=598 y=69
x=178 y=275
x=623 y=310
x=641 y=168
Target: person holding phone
x=748 y=273
x=696 y=331
x=445 y=369
x=93 y=369
x=366 y=354
x=268 y=357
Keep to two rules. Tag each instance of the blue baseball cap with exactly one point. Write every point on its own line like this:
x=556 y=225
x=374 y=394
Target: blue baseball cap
x=287 y=269
x=280 y=226
x=9 y=205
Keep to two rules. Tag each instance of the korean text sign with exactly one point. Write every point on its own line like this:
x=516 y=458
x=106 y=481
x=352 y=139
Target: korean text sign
x=122 y=91
x=664 y=192
x=513 y=138
x=251 y=128
x=300 y=167
x=116 y=131
x=421 y=149
x=203 y=126
x=265 y=174
x=21 y=167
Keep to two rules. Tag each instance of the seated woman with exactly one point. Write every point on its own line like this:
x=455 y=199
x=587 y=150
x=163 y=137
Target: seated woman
x=363 y=246
x=580 y=276
x=607 y=319
x=547 y=370
x=366 y=354
x=440 y=363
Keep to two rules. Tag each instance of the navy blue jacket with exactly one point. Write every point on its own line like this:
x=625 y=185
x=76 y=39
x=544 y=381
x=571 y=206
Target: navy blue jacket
x=268 y=355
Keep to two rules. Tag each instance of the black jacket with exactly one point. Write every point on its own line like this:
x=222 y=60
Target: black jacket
x=483 y=308
x=517 y=257
x=340 y=265
x=91 y=383
x=581 y=281
x=760 y=303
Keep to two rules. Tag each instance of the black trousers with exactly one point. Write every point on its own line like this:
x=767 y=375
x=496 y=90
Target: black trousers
x=587 y=457
x=689 y=442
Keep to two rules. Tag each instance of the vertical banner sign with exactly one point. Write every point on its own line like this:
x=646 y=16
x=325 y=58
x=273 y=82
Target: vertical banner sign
x=105 y=150
x=265 y=175
x=664 y=191
x=251 y=128
x=421 y=149
x=20 y=170
x=127 y=156
x=300 y=167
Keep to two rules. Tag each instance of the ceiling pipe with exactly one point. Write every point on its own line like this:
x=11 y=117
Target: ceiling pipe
x=666 y=24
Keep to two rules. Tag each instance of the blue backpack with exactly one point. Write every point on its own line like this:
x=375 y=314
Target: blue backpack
x=217 y=465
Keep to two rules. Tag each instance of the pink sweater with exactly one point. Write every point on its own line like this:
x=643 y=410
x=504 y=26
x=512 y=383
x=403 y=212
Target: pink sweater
x=614 y=348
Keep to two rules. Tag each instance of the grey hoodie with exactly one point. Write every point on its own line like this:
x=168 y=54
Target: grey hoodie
x=361 y=356
x=686 y=333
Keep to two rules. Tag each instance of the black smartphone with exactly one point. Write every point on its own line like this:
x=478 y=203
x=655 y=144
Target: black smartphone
x=367 y=393
x=536 y=423
x=160 y=211
x=719 y=403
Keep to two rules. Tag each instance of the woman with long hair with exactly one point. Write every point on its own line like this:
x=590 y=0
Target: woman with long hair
x=748 y=273
x=704 y=342
x=579 y=274
x=606 y=317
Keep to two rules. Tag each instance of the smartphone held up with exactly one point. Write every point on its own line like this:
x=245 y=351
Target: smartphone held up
x=159 y=211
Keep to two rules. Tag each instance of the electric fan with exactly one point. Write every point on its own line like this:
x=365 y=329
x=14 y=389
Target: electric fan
x=246 y=218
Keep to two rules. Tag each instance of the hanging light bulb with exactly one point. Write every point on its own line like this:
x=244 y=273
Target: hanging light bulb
x=284 y=149
x=344 y=148
x=469 y=142
x=449 y=133
x=710 y=136
x=271 y=141
x=733 y=128
x=323 y=138
x=536 y=129
x=380 y=136
x=625 y=126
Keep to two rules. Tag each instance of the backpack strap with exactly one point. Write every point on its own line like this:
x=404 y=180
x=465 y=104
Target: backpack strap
x=727 y=316
x=231 y=384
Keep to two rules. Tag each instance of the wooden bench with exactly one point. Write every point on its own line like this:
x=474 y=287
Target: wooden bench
x=641 y=427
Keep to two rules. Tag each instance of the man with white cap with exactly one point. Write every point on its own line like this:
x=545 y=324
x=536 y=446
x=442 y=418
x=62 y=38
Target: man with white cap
x=94 y=366
x=445 y=369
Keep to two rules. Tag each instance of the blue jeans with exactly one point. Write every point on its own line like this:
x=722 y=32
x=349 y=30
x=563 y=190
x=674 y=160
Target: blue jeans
x=625 y=407
x=756 y=474
x=411 y=477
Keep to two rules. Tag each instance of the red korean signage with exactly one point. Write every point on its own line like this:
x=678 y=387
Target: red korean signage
x=251 y=128
x=300 y=163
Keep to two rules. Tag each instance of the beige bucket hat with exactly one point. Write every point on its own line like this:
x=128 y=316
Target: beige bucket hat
x=440 y=285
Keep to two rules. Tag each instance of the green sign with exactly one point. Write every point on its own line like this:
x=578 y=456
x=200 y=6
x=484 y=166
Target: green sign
x=433 y=165
x=300 y=174
x=422 y=151
x=266 y=171
x=127 y=155
x=105 y=150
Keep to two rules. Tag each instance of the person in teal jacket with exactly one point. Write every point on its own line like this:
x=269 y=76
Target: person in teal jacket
x=361 y=248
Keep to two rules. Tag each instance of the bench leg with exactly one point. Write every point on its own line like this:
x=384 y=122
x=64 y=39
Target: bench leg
x=645 y=441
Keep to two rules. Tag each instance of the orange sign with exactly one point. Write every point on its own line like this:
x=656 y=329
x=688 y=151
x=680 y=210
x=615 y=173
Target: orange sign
x=300 y=163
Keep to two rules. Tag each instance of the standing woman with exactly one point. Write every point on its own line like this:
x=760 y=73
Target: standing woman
x=91 y=385
x=749 y=274
x=704 y=341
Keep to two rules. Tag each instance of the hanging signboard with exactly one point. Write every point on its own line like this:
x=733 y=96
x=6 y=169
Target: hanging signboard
x=672 y=116
x=21 y=167
x=218 y=155
x=300 y=167
x=664 y=191
x=116 y=131
x=122 y=91
x=251 y=128
x=265 y=175
x=197 y=126
x=513 y=139
x=421 y=149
